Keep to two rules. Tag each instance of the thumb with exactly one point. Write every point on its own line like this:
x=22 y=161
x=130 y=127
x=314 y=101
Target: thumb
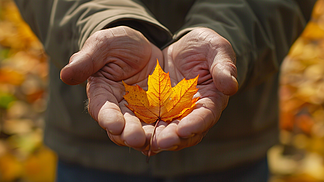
x=79 y=69
x=225 y=77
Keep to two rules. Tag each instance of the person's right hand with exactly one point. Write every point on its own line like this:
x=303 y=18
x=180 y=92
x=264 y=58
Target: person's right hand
x=108 y=57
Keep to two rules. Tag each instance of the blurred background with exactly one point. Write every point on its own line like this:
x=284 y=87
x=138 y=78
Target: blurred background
x=23 y=88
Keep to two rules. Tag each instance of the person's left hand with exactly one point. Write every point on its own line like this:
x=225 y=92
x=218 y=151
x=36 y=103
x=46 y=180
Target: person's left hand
x=205 y=53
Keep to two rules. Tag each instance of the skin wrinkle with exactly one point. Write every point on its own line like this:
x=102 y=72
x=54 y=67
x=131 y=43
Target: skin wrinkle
x=131 y=66
x=95 y=97
x=118 y=33
x=107 y=86
x=196 y=59
x=176 y=77
x=205 y=79
x=109 y=57
x=113 y=74
x=109 y=69
x=189 y=71
x=141 y=82
x=100 y=40
x=194 y=64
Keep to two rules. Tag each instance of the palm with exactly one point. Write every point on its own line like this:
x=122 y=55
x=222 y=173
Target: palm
x=194 y=55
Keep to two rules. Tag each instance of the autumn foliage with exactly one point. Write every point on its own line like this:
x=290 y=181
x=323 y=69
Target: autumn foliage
x=23 y=88
x=300 y=155
x=161 y=101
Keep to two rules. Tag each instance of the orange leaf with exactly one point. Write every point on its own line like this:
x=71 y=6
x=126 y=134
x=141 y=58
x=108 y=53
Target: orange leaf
x=161 y=101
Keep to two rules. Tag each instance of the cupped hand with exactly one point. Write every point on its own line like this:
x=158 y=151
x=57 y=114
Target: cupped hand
x=108 y=57
x=205 y=53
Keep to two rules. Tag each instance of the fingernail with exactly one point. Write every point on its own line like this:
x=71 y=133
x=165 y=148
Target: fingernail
x=173 y=148
x=236 y=84
x=192 y=135
x=110 y=132
x=126 y=144
x=168 y=149
x=74 y=58
x=144 y=152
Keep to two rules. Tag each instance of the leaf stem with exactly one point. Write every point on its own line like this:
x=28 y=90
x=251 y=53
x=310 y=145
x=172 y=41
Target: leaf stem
x=151 y=141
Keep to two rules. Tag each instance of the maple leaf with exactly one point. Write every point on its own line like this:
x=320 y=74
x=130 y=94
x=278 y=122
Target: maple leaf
x=161 y=102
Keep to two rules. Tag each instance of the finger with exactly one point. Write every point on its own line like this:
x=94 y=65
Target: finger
x=148 y=130
x=103 y=106
x=223 y=69
x=79 y=69
x=167 y=138
x=111 y=118
x=224 y=77
x=204 y=116
x=172 y=142
x=133 y=134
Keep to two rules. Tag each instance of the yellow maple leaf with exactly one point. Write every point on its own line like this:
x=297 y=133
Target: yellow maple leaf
x=161 y=102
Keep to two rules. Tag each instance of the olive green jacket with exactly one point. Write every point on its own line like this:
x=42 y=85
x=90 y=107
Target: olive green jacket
x=260 y=31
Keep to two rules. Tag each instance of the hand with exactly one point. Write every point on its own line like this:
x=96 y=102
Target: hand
x=108 y=57
x=205 y=53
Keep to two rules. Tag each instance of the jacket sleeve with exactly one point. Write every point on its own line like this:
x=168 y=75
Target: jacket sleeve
x=64 y=25
x=260 y=31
